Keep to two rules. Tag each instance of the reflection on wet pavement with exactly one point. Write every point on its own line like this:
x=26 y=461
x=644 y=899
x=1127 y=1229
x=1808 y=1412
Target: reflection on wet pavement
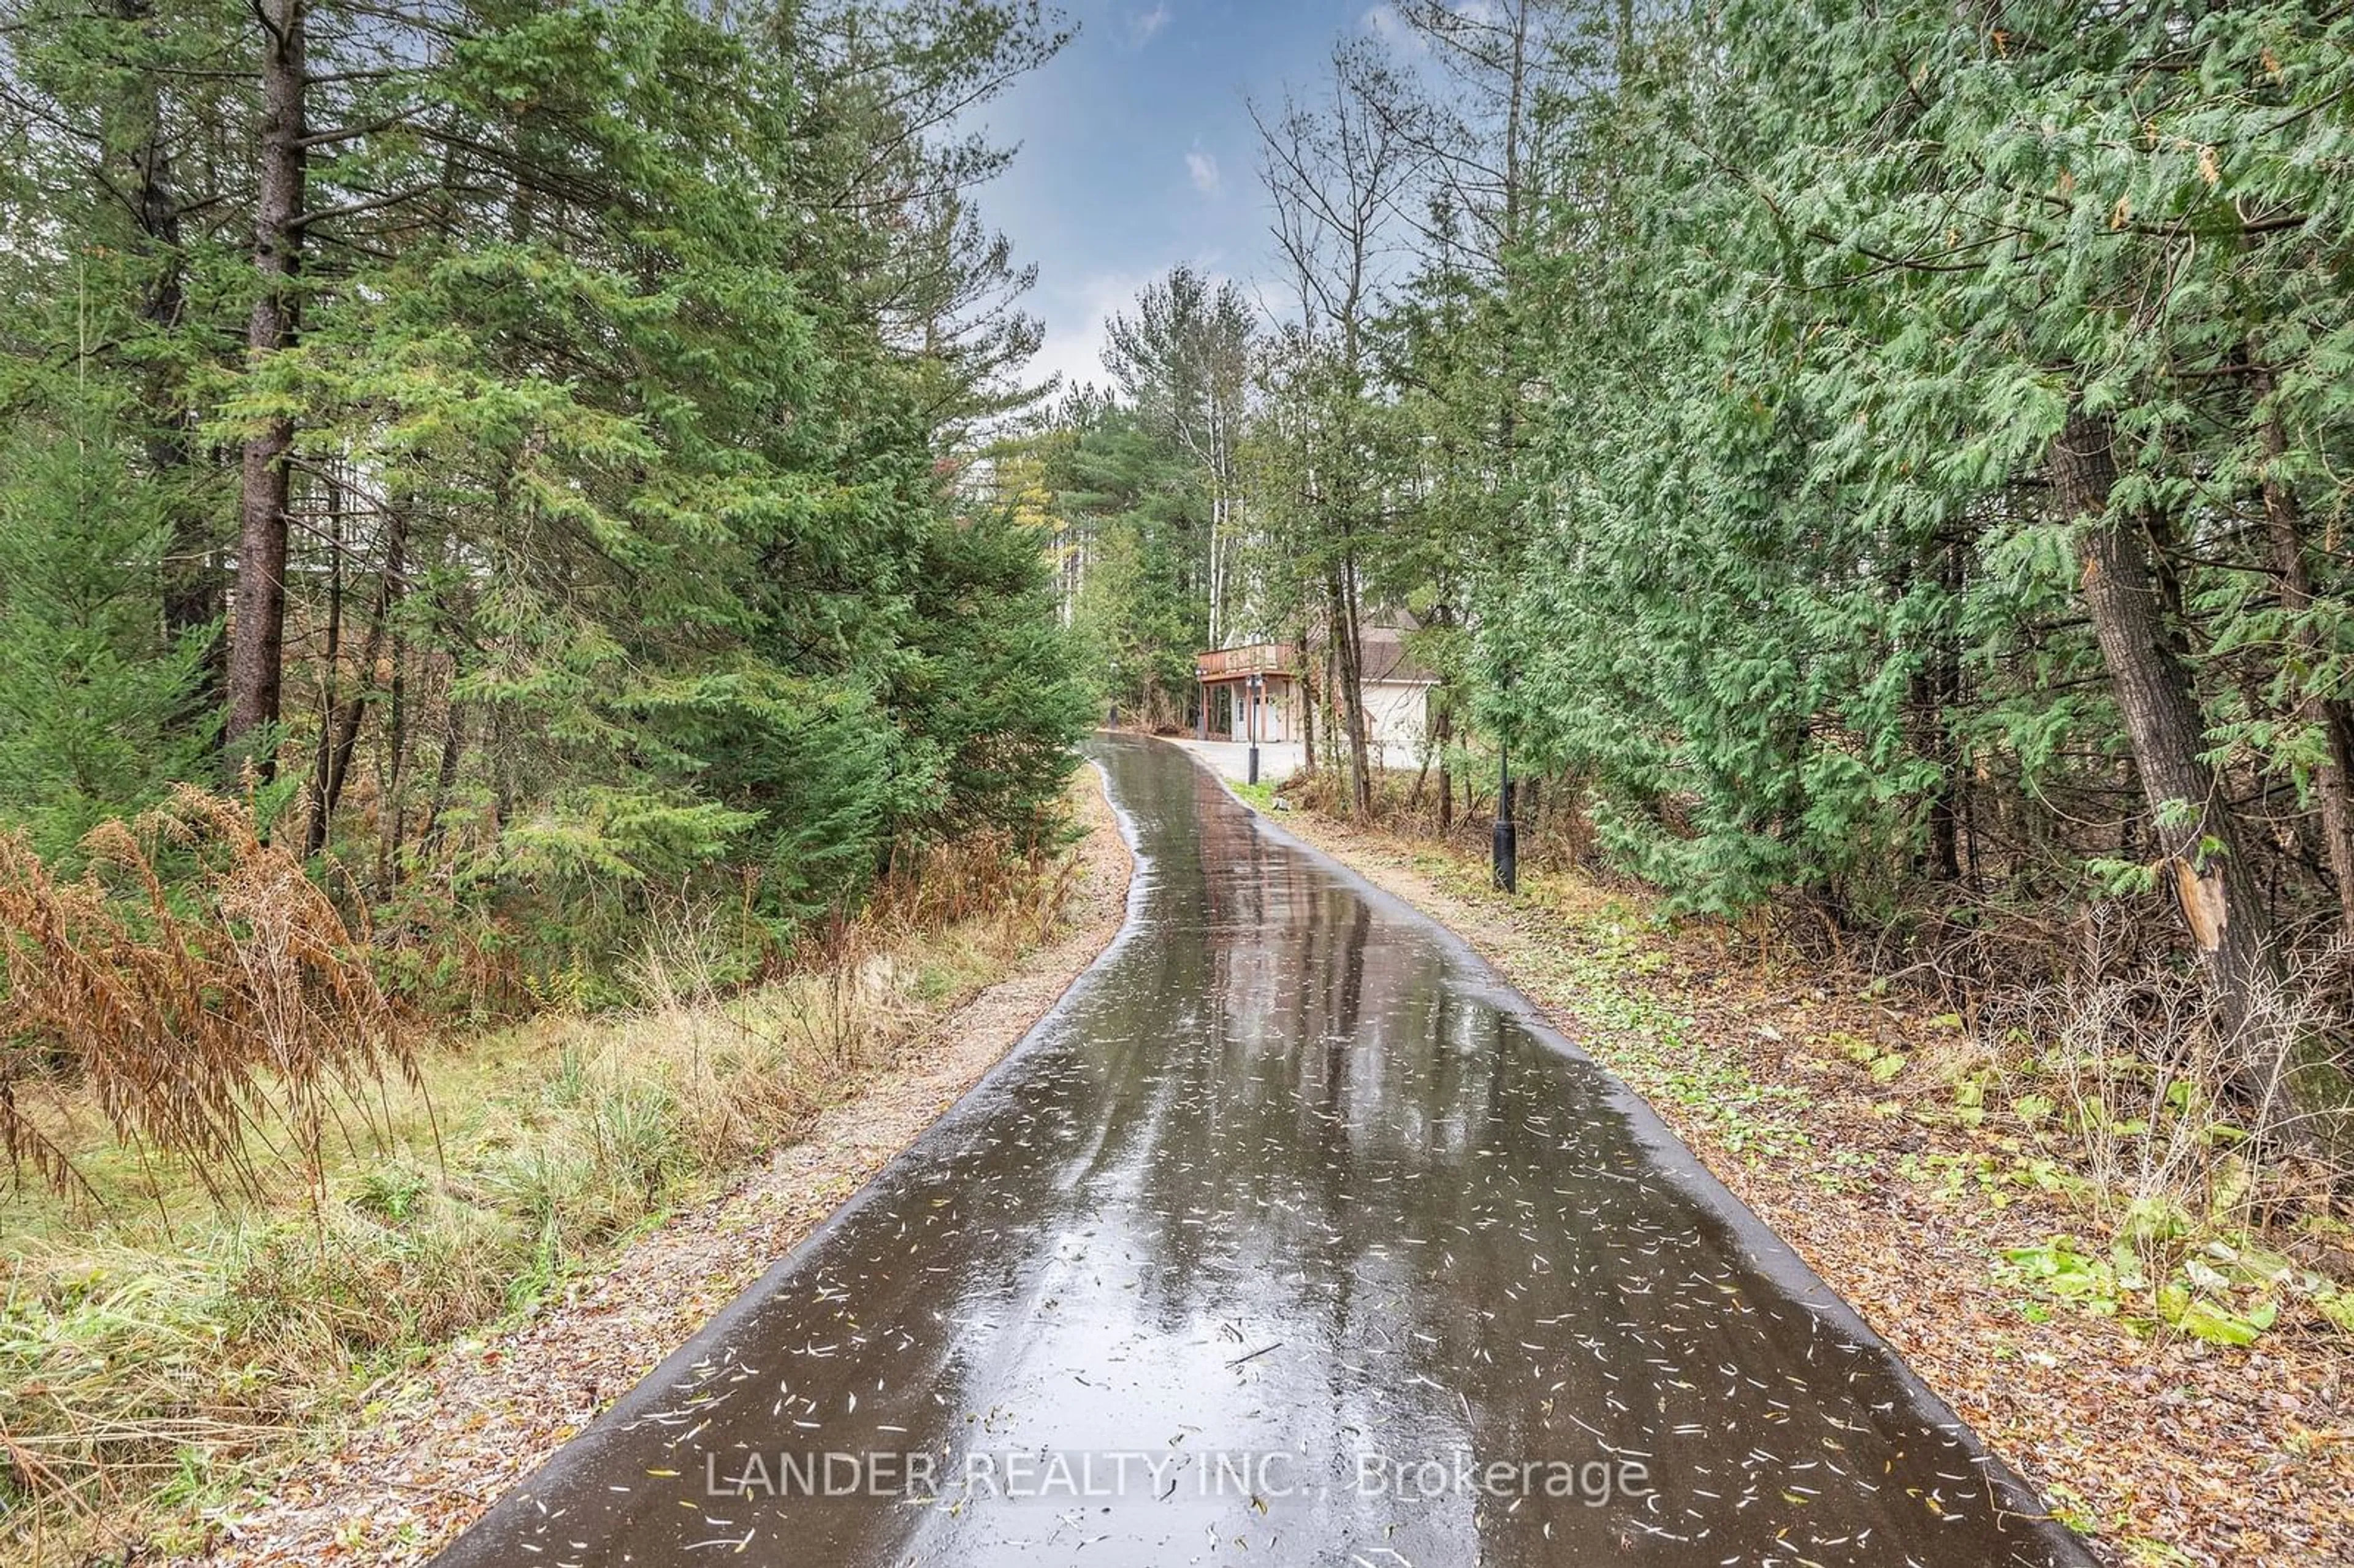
x=1290 y=1238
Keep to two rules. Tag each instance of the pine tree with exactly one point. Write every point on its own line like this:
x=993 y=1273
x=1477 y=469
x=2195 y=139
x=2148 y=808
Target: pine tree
x=92 y=687
x=571 y=392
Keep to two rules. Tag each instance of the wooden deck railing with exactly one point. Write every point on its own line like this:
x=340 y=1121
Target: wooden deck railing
x=1256 y=658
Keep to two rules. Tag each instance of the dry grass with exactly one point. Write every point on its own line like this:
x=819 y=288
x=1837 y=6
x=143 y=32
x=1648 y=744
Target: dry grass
x=1020 y=887
x=2129 y=1060
x=161 y=1331
x=191 y=1015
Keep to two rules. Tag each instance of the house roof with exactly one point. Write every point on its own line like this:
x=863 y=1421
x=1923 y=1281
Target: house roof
x=1386 y=658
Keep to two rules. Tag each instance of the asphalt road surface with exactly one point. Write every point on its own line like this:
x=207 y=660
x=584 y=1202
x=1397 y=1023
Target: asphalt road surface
x=1290 y=1236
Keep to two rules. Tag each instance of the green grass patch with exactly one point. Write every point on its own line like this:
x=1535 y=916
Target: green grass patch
x=160 y=1349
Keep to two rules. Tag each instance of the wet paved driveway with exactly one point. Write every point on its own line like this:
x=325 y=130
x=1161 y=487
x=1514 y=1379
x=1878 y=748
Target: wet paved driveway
x=1290 y=1238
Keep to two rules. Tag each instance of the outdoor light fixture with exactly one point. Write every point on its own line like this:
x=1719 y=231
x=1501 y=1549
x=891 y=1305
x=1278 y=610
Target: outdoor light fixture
x=1255 y=685
x=1508 y=849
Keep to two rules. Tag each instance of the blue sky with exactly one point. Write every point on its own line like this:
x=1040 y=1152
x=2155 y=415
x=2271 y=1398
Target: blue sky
x=1137 y=153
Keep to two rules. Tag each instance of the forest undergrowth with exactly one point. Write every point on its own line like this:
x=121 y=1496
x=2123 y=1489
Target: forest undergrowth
x=253 y=1182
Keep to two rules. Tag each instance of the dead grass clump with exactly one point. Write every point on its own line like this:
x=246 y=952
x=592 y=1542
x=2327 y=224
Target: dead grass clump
x=685 y=957
x=2134 y=1064
x=302 y=1297
x=1021 y=887
x=111 y=1369
x=124 y=1370
x=194 y=1011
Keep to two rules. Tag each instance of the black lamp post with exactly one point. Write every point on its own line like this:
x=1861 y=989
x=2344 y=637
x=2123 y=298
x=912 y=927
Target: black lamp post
x=1506 y=849
x=1253 y=686
x=1506 y=858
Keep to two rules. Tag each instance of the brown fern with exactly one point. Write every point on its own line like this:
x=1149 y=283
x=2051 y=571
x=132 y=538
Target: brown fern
x=208 y=1013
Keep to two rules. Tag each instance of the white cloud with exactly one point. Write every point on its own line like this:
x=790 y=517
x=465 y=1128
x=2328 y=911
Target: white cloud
x=1204 y=168
x=1078 y=326
x=1078 y=320
x=1145 y=26
x=1386 y=24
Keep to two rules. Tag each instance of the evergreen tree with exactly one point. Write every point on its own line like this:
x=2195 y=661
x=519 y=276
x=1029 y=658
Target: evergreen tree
x=92 y=689
x=568 y=392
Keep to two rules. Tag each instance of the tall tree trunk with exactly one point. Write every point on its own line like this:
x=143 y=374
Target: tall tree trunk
x=315 y=835
x=392 y=817
x=257 y=648
x=191 y=578
x=1348 y=668
x=2192 y=824
x=1360 y=731
x=445 y=776
x=1336 y=721
x=1309 y=697
x=2286 y=522
x=1444 y=737
x=339 y=730
x=1936 y=691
